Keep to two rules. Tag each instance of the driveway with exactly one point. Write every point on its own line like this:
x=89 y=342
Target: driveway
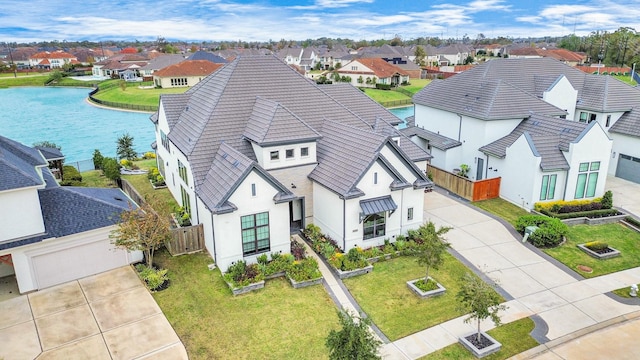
x=626 y=194
x=106 y=316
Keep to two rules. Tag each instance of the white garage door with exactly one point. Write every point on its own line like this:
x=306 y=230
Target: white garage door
x=628 y=168
x=75 y=262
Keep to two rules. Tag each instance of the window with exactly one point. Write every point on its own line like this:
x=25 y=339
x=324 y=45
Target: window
x=304 y=151
x=548 y=189
x=410 y=213
x=186 y=201
x=608 y=123
x=587 y=179
x=255 y=233
x=179 y=82
x=587 y=117
x=182 y=171
x=275 y=155
x=253 y=189
x=375 y=178
x=374 y=225
x=354 y=68
x=289 y=153
x=164 y=139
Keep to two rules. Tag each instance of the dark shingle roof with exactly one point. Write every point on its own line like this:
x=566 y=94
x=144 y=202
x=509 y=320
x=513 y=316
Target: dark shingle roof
x=270 y=124
x=205 y=55
x=549 y=136
x=50 y=153
x=18 y=165
x=435 y=140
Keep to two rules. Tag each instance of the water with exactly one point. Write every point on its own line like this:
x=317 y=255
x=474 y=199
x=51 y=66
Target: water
x=62 y=116
x=402 y=113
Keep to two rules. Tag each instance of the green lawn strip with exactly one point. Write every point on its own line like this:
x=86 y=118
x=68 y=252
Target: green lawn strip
x=623 y=292
x=38 y=80
x=625 y=79
x=385 y=95
x=501 y=208
x=277 y=322
x=514 y=338
x=161 y=199
x=383 y=294
x=616 y=235
x=136 y=96
x=416 y=85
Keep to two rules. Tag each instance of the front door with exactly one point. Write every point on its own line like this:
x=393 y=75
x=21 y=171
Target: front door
x=479 y=170
x=296 y=215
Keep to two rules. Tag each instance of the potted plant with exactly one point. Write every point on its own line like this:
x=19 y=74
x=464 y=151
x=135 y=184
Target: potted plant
x=481 y=301
x=430 y=254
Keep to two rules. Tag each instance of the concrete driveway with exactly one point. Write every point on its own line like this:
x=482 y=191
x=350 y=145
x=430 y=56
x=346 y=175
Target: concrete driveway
x=105 y=316
x=626 y=194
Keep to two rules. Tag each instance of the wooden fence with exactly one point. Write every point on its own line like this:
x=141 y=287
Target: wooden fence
x=186 y=240
x=461 y=186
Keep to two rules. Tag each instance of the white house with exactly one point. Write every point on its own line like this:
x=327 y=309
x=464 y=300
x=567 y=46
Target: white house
x=59 y=233
x=477 y=110
x=256 y=151
x=367 y=72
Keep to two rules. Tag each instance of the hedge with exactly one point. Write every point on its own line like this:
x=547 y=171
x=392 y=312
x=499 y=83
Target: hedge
x=592 y=214
x=549 y=233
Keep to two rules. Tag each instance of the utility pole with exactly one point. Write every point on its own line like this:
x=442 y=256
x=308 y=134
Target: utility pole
x=13 y=65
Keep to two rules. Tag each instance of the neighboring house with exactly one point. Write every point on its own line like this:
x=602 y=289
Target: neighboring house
x=563 y=55
x=367 y=72
x=205 y=55
x=51 y=60
x=480 y=106
x=454 y=54
x=59 y=233
x=117 y=64
x=185 y=73
x=159 y=63
x=291 y=56
x=255 y=151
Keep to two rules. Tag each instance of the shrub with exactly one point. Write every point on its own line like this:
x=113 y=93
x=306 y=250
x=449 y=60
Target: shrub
x=303 y=270
x=70 y=173
x=607 y=200
x=262 y=259
x=240 y=274
x=593 y=214
x=354 y=259
x=154 y=278
x=549 y=233
x=596 y=245
x=298 y=250
x=426 y=285
x=149 y=155
x=97 y=159
x=278 y=263
x=153 y=173
x=126 y=163
x=632 y=221
x=561 y=206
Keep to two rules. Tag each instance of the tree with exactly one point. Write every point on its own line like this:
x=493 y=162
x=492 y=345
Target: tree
x=480 y=300
x=141 y=229
x=430 y=252
x=354 y=341
x=47 y=144
x=98 y=159
x=111 y=169
x=125 y=147
x=420 y=55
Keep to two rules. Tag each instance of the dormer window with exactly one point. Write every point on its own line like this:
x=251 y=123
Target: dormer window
x=289 y=153
x=275 y=155
x=304 y=151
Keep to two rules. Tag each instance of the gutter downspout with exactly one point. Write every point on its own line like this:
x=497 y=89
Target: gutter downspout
x=344 y=225
x=213 y=233
x=459 y=126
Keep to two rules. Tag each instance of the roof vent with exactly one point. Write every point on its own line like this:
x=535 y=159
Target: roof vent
x=224 y=155
x=186 y=108
x=118 y=198
x=236 y=163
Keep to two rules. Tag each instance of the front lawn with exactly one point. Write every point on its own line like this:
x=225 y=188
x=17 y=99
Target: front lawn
x=616 y=235
x=382 y=96
x=278 y=322
x=514 y=338
x=34 y=79
x=136 y=96
x=416 y=85
x=501 y=208
x=383 y=294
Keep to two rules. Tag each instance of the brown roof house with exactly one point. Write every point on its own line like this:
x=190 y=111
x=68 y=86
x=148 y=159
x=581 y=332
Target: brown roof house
x=51 y=60
x=256 y=151
x=368 y=72
x=185 y=73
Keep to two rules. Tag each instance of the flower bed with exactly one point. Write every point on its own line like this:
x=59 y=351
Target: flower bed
x=426 y=289
x=599 y=250
x=243 y=278
x=350 y=264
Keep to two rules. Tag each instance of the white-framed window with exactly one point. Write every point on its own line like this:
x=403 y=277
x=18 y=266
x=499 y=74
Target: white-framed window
x=548 y=188
x=186 y=200
x=410 y=213
x=274 y=155
x=182 y=171
x=255 y=233
x=253 y=190
x=289 y=153
x=375 y=178
x=587 y=179
x=304 y=151
x=587 y=117
x=374 y=225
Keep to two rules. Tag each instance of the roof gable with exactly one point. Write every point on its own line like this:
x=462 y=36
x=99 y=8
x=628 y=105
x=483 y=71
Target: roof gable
x=18 y=165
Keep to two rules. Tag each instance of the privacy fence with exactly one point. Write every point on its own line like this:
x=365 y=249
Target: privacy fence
x=463 y=187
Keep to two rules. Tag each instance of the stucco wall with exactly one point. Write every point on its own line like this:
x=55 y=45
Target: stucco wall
x=622 y=144
x=20 y=213
x=562 y=95
x=328 y=210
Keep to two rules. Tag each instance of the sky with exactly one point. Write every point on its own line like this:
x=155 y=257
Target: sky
x=264 y=20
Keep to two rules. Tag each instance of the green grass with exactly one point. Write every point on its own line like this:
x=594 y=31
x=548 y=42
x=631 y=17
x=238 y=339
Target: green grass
x=623 y=292
x=135 y=96
x=616 y=235
x=514 y=338
x=277 y=322
x=397 y=311
x=625 y=79
x=501 y=208
x=385 y=95
x=416 y=85
x=36 y=80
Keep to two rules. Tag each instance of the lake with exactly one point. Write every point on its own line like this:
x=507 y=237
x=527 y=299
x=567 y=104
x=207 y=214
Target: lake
x=63 y=116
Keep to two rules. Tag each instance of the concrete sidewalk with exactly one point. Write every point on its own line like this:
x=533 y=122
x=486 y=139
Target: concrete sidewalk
x=534 y=285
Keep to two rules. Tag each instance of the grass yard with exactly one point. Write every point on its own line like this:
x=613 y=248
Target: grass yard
x=625 y=79
x=416 y=85
x=136 y=96
x=514 y=338
x=385 y=95
x=616 y=235
x=278 y=322
x=35 y=80
x=161 y=199
x=396 y=310
x=501 y=208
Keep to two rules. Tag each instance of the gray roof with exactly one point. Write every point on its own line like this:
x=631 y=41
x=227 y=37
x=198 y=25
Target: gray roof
x=548 y=136
x=50 y=153
x=205 y=55
x=219 y=107
x=229 y=168
x=485 y=99
x=435 y=140
x=366 y=108
x=173 y=106
x=273 y=124
x=18 y=164
x=162 y=62
x=374 y=206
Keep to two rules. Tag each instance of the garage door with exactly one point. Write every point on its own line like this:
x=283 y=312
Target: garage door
x=628 y=168
x=76 y=261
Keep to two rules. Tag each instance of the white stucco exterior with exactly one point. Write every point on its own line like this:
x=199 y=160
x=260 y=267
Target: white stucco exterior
x=562 y=95
x=20 y=214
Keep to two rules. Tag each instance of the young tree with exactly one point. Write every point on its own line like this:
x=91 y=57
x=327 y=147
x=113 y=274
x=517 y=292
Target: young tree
x=420 y=55
x=480 y=300
x=354 y=341
x=98 y=159
x=111 y=169
x=125 y=147
x=430 y=252
x=141 y=229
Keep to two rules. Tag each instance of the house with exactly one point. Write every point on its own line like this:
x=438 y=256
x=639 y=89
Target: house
x=500 y=99
x=51 y=60
x=255 y=151
x=205 y=55
x=116 y=65
x=158 y=63
x=185 y=73
x=454 y=54
x=59 y=233
x=368 y=72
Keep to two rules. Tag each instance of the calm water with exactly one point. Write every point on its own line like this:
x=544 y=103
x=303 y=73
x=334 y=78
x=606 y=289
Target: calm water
x=62 y=116
x=402 y=113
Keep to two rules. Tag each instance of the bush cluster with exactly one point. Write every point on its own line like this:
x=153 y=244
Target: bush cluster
x=240 y=274
x=71 y=176
x=279 y=263
x=561 y=206
x=354 y=259
x=303 y=270
x=155 y=177
x=593 y=214
x=549 y=233
x=596 y=245
x=154 y=278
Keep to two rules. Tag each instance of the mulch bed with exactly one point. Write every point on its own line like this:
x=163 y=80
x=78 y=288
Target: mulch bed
x=483 y=343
